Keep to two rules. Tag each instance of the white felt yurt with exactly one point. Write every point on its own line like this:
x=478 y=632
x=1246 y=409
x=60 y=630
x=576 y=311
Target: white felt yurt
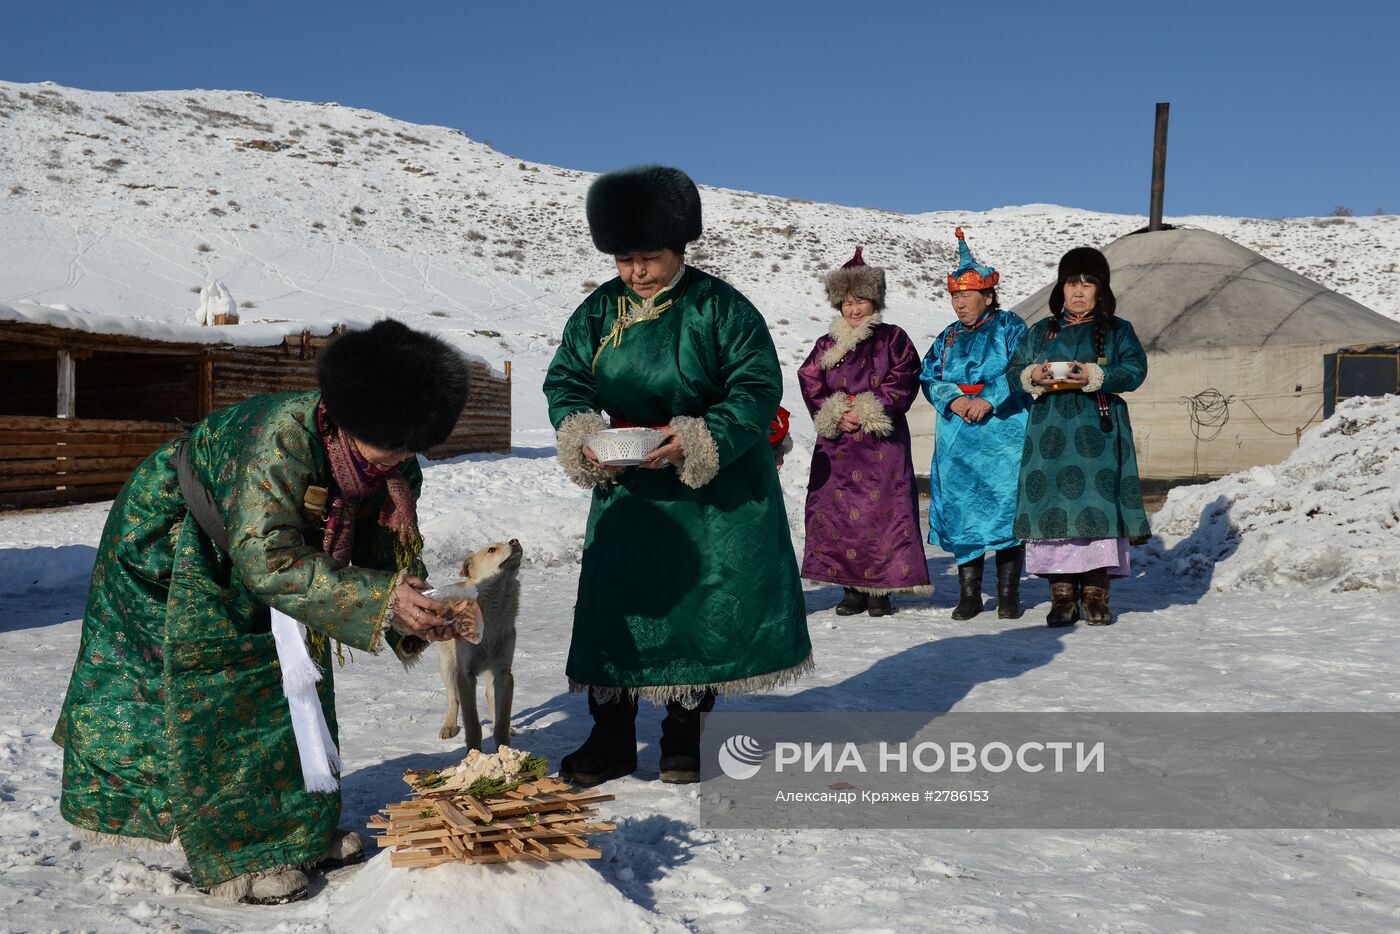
x=1235 y=345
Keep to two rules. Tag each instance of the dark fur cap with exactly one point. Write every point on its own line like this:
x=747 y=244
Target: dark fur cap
x=393 y=387
x=858 y=279
x=646 y=207
x=1083 y=261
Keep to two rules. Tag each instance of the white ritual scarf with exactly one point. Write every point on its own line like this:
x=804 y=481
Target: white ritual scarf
x=320 y=759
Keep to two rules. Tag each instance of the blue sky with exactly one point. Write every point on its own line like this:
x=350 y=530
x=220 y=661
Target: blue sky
x=1278 y=109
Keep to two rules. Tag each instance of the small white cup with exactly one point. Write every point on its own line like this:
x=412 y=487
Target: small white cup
x=1060 y=370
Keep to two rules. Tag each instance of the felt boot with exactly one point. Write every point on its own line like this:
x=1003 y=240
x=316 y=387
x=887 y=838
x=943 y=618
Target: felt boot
x=1064 y=600
x=611 y=748
x=264 y=888
x=1010 y=561
x=1095 y=590
x=852 y=602
x=680 y=740
x=347 y=846
x=969 y=588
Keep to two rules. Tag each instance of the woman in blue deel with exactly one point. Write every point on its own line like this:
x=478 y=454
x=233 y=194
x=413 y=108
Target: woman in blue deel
x=981 y=428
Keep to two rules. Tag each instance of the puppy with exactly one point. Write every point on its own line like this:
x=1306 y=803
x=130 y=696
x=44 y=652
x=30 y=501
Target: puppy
x=493 y=570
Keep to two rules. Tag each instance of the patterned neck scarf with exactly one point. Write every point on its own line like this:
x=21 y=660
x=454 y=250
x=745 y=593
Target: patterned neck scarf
x=353 y=479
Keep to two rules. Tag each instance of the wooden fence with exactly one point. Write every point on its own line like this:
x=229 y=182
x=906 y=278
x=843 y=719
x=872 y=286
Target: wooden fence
x=44 y=461
x=48 y=461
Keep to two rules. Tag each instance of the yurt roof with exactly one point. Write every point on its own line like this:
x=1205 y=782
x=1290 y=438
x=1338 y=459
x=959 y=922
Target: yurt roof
x=1184 y=289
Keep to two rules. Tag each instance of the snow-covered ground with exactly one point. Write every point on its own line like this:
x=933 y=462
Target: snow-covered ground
x=1213 y=620
x=1274 y=589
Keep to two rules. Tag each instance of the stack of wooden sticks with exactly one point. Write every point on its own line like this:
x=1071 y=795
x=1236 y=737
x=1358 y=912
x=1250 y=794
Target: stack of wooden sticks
x=545 y=820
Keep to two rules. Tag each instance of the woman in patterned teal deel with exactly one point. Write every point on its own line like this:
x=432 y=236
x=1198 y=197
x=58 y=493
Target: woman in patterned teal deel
x=1079 y=499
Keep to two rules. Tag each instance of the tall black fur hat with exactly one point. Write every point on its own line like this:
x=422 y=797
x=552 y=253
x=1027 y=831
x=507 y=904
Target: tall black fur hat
x=393 y=387
x=646 y=207
x=1084 y=261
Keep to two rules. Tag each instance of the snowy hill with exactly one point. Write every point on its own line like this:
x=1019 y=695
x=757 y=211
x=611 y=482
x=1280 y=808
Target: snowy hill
x=128 y=203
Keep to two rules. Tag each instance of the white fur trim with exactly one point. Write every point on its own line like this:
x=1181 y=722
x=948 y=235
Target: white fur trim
x=134 y=843
x=1028 y=386
x=846 y=337
x=569 y=440
x=410 y=648
x=701 y=453
x=1095 y=377
x=920 y=590
x=828 y=417
x=666 y=693
x=410 y=651
x=872 y=415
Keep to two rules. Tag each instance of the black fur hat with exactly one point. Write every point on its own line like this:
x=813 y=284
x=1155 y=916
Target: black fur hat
x=393 y=387
x=1083 y=261
x=646 y=207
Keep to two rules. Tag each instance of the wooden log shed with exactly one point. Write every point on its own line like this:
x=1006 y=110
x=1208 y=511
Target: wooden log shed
x=80 y=409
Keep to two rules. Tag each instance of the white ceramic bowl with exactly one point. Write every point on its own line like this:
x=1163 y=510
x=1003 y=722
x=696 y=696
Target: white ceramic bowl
x=624 y=447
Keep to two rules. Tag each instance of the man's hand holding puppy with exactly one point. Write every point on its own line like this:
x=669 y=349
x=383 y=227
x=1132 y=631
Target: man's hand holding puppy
x=416 y=615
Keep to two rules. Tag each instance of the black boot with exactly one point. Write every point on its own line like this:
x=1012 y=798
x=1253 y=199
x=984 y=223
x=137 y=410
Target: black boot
x=878 y=604
x=1010 y=561
x=1064 y=600
x=969 y=588
x=680 y=740
x=611 y=748
x=852 y=602
x=1095 y=591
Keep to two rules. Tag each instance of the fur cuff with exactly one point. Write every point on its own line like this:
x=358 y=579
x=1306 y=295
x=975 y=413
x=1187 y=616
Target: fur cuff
x=828 y=417
x=701 y=453
x=1030 y=387
x=873 y=417
x=410 y=650
x=572 y=430
x=407 y=648
x=1095 y=377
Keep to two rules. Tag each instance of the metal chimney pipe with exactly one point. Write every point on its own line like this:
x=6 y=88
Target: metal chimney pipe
x=1159 y=168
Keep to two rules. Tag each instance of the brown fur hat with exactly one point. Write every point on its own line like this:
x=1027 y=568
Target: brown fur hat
x=858 y=279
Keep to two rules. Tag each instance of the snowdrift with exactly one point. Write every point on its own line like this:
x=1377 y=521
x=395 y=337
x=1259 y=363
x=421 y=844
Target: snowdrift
x=1328 y=517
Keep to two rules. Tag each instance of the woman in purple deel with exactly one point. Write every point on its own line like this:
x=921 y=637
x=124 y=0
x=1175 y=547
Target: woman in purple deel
x=862 y=507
